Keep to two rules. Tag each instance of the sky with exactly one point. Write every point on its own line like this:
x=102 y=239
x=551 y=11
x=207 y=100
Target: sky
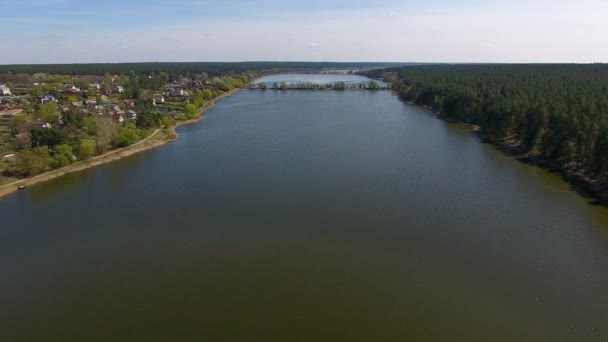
x=458 y=31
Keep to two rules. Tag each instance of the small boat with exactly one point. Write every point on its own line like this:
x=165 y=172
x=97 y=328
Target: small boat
x=21 y=187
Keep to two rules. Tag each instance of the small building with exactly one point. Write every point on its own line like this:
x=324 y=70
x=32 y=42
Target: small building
x=106 y=91
x=94 y=108
x=119 y=89
x=118 y=118
x=177 y=92
x=158 y=99
x=46 y=99
x=131 y=114
x=5 y=90
x=130 y=104
x=117 y=109
x=41 y=124
x=72 y=89
x=95 y=86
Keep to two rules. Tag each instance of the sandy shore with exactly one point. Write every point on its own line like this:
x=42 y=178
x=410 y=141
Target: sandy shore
x=157 y=138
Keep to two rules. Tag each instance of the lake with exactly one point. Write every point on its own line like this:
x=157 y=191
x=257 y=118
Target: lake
x=306 y=216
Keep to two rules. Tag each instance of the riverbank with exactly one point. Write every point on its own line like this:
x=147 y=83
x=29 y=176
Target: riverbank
x=580 y=182
x=158 y=138
x=173 y=135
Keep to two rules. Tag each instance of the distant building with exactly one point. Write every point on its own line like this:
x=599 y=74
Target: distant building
x=95 y=86
x=41 y=124
x=158 y=99
x=46 y=99
x=72 y=89
x=130 y=104
x=131 y=115
x=177 y=92
x=118 y=118
x=119 y=89
x=106 y=91
x=5 y=90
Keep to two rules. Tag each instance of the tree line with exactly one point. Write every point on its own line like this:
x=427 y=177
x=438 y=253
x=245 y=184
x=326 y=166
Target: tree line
x=556 y=113
x=213 y=69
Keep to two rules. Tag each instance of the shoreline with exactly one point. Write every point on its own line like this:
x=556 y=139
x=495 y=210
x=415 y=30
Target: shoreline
x=579 y=182
x=159 y=137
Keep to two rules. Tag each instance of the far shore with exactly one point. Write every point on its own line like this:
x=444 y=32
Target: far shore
x=158 y=138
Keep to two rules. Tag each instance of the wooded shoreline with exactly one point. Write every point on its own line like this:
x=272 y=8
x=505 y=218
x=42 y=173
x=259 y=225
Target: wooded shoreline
x=582 y=184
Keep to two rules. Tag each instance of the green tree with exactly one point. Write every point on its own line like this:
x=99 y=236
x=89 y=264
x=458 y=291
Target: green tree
x=125 y=136
x=147 y=120
x=86 y=150
x=47 y=137
x=191 y=111
x=62 y=156
x=32 y=162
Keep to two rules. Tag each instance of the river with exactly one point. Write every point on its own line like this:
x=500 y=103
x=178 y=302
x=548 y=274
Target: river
x=306 y=216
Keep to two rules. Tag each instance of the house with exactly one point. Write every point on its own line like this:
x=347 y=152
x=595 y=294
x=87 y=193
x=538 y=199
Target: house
x=72 y=89
x=158 y=99
x=106 y=91
x=130 y=104
x=40 y=124
x=95 y=86
x=119 y=89
x=131 y=115
x=46 y=99
x=177 y=92
x=117 y=109
x=118 y=118
x=5 y=90
x=94 y=109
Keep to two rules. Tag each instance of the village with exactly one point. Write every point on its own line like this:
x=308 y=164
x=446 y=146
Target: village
x=50 y=121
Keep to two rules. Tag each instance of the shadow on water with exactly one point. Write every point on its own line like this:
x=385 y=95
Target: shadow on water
x=595 y=194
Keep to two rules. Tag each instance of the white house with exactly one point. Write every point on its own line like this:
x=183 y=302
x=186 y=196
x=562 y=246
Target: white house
x=120 y=89
x=5 y=90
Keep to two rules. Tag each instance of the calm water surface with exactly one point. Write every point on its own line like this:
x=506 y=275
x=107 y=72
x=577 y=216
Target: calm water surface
x=306 y=216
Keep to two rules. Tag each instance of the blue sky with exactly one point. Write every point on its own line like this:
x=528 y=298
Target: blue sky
x=70 y=31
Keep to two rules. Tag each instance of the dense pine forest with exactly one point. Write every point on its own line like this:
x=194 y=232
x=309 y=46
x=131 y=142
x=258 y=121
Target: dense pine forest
x=557 y=114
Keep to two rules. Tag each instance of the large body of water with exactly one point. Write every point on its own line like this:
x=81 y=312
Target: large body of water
x=306 y=216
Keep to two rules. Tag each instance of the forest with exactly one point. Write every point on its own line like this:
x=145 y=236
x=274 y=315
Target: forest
x=557 y=114
x=211 y=68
